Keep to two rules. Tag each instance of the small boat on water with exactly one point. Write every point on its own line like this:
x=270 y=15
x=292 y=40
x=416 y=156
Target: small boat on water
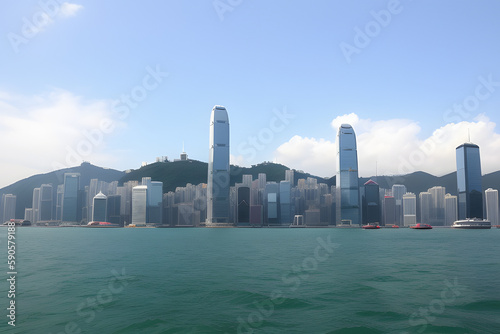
x=395 y=226
x=371 y=226
x=474 y=223
x=420 y=226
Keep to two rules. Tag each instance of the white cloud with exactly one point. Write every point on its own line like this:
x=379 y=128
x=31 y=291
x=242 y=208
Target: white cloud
x=311 y=155
x=51 y=131
x=69 y=9
x=394 y=147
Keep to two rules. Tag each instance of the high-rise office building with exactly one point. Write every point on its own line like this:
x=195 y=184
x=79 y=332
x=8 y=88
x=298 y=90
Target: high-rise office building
x=389 y=211
x=470 y=190
x=409 y=209
x=492 y=206
x=348 y=208
x=9 y=207
x=139 y=205
x=100 y=208
x=154 y=202
x=437 y=205
x=36 y=205
x=243 y=206
x=286 y=216
x=398 y=190
x=70 y=202
x=28 y=214
x=272 y=203
x=371 y=203
x=450 y=209
x=218 y=169
x=45 y=205
x=113 y=210
x=425 y=199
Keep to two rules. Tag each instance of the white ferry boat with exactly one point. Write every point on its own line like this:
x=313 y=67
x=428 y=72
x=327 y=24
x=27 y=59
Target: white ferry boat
x=474 y=223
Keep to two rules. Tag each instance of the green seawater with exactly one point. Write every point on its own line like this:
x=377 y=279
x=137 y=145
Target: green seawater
x=82 y=280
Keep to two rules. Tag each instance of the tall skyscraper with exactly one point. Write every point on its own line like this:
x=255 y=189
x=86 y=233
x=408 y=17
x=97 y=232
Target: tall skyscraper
x=9 y=207
x=70 y=203
x=286 y=217
x=389 y=211
x=450 y=209
x=155 y=202
x=425 y=207
x=409 y=209
x=243 y=206
x=492 y=206
x=371 y=203
x=398 y=190
x=139 y=205
x=470 y=190
x=46 y=200
x=218 y=169
x=272 y=203
x=437 y=205
x=348 y=208
x=36 y=205
x=100 y=207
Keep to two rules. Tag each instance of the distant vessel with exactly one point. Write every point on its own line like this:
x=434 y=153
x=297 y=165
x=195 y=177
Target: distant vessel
x=420 y=226
x=395 y=226
x=474 y=223
x=371 y=226
x=101 y=224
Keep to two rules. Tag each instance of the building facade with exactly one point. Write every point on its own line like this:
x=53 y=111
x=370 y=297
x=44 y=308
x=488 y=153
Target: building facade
x=348 y=208
x=218 y=169
x=492 y=206
x=470 y=191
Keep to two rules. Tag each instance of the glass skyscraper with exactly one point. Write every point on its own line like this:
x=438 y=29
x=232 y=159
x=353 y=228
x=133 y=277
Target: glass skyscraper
x=100 y=206
x=70 y=207
x=470 y=190
x=348 y=209
x=218 y=169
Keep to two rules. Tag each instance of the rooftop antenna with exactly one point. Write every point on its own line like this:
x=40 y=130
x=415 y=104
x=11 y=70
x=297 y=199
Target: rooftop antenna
x=376 y=170
x=183 y=147
x=468 y=130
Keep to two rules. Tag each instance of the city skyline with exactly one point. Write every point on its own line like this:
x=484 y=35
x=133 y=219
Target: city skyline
x=422 y=87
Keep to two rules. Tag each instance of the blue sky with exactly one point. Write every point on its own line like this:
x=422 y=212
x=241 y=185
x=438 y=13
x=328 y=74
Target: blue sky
x=415 y=64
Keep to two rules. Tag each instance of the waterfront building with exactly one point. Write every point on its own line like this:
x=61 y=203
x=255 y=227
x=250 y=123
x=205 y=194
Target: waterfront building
x=218 y=169
x=70 y=201
x=139 y=205
x=100 y=207
x=450 y=209
x=371 y=203
x=347 y=199
x=398 y=190
x=469 y=185
x=409 y=209
x=491 y=196
x=425 y=200
x=9 y=207
x=437 y=205
x=46 y=203
x=389 y=210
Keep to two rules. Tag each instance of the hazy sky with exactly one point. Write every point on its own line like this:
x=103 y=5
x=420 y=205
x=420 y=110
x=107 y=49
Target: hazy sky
x=118 y=83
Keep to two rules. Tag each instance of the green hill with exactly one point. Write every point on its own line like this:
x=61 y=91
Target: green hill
x=179 y=173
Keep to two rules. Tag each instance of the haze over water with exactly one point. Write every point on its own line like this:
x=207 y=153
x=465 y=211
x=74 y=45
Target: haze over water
x=256 y=280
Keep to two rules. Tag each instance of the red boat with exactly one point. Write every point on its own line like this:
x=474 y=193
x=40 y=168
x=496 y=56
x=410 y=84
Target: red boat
x=371 y=226
x=395 y=226
x=420 y=226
